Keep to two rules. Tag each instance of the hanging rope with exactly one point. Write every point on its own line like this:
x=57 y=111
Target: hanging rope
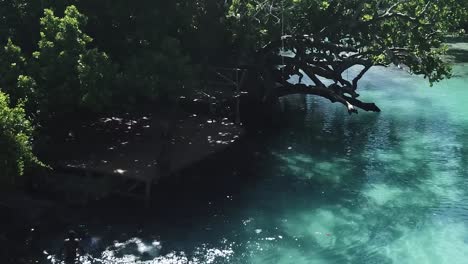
x=282 y=39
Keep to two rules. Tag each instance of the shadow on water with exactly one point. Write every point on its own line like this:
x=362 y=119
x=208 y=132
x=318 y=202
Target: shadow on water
x=458 y=55
x=458 y=52
x=322 y=187
x=186 y=215
x=361 y=185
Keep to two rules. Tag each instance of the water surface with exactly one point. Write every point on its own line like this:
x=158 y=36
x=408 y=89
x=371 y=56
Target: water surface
x=326 y=187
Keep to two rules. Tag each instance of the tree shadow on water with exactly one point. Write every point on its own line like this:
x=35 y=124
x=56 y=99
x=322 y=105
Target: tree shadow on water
x=458 y=55
x=365 y=185
x=324 y=187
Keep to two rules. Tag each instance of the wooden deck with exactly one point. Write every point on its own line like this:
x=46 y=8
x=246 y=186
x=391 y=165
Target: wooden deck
x=135 y=149
x=143 y=149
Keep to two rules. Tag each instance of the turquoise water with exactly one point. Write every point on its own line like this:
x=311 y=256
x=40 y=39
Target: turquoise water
x=387 y=187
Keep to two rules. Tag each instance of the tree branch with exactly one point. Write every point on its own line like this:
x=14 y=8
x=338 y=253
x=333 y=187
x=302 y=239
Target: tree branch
x=348 y=102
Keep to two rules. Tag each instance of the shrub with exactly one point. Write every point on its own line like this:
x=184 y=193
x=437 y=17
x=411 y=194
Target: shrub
x=15 y=141
x=13 y=65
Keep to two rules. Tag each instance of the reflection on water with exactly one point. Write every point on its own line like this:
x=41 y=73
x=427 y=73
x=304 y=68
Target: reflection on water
x=331 y=188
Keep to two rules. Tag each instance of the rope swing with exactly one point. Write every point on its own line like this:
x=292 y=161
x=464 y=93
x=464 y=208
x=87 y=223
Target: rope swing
x=282 y=40
x=282 y=30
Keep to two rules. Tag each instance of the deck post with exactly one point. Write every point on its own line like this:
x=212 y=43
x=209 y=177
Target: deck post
x=148 y=184
x=238 y=98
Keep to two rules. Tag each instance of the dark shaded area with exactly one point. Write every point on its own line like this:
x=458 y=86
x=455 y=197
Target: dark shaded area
x=458 y=55
x=152 y=52
x=278 y=169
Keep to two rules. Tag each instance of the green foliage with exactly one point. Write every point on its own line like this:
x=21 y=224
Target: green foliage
x=12 y=65
x=142 y=51
x=372 y=26
x=19 y=21
x=162 y=72
x=71 y=75
x=96 y=74
x=15 y=141
x=174 y=65
x=56 y=62
x=145 y=50
x=145 y=41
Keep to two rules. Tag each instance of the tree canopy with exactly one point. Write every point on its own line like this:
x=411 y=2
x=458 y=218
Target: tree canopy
x=63 y=56
x=104 y=54
x=326 y=38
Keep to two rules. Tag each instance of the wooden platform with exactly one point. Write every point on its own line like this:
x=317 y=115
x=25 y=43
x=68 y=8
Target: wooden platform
x=136 y=148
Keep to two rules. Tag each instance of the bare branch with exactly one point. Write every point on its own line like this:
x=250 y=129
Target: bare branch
x=360 y=75
x=350 y=103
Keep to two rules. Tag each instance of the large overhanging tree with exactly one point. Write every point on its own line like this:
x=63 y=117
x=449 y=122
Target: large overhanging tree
x=324 y=39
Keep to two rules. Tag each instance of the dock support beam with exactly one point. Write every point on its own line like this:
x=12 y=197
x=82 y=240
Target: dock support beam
x=148 y=185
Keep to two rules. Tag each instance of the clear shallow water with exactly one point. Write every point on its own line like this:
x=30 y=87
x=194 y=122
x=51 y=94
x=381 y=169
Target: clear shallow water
x=386 y=187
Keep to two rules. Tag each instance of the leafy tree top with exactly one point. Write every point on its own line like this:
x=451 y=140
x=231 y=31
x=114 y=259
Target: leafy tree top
x=328 y=37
